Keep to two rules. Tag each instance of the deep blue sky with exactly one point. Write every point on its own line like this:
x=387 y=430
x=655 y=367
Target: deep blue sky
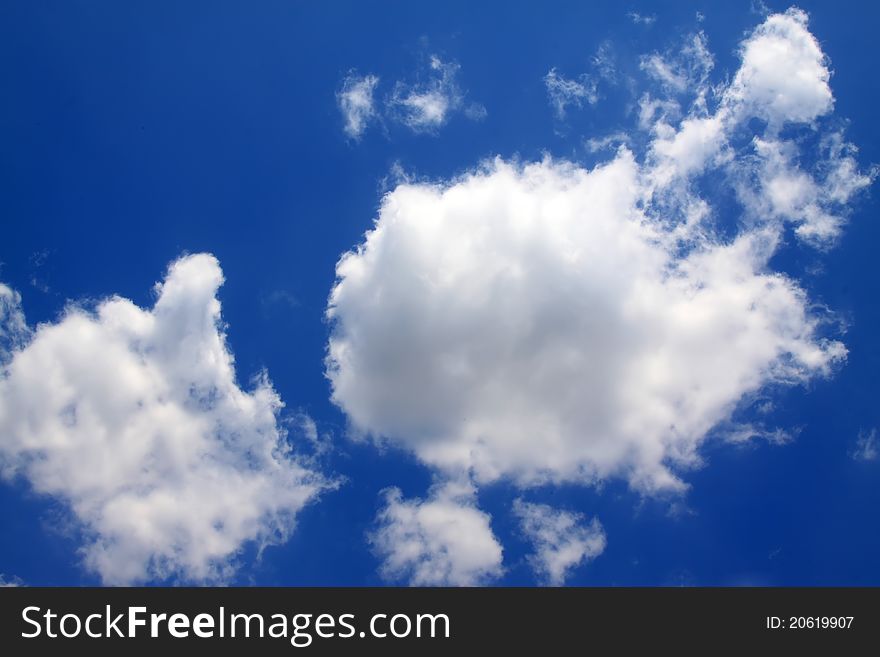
x=133 y=132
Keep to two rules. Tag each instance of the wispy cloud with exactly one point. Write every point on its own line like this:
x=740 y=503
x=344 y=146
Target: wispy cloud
x=562 y=540
x=642 y=19
x=867 y=447
x=564 y=92
x=356 y=102
x=10 y=582
x=423 y=106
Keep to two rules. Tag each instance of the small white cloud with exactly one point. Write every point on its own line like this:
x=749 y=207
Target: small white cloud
x=657 y=112
x=442 y=541
x=784 y=75
x=867 y=447
x=14 y=330
x=564 y=92
x=642 y=19
x=612 y=141
x=562 y=540
x=604 y=62
x=659 y=69
x=476 y=111
x=747 y=433
x=10 y=582
x=685 y=70
x=133 y=418
x=356 y=103
x=427 y=106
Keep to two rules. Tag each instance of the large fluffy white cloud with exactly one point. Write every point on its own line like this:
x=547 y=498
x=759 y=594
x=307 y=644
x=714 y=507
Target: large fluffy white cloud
x=442 y=541
x=562 y=540
x=133 y=418
x=548 y=323
x=531 y=322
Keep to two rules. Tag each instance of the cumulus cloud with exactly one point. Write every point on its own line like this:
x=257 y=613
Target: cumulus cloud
x=562 y=540
x=782 y=80
x=784 y=75
x=132 y=417
x=548 y=323
x=532 y=322
x=356 y=103
x=442 y=541
x=564 y=92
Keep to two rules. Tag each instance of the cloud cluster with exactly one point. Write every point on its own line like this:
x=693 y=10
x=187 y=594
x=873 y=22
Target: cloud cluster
x=423 y=106
x=546 y=323
x=442 y=541
x=561 y=540
x=133 y=418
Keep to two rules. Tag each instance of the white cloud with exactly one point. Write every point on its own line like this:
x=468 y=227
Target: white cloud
x=133 y=418
x=546 y=323
x=527 y=322
x=598 y=144
x=659 y=69
x=642 y=19
x=356 y=103
x=442 y=541
x=13 y=328
x=561 y=540
x=746 y=433
x=604 y=62
x=9 y=582
x=423 y=107
x=784 y=75
x=564 y=92
x=427 y=106
x=783 y=79
x=867 y=447
x=682 y=71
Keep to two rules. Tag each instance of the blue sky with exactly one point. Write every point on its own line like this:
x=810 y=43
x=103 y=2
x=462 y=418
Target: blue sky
x=136 y=133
